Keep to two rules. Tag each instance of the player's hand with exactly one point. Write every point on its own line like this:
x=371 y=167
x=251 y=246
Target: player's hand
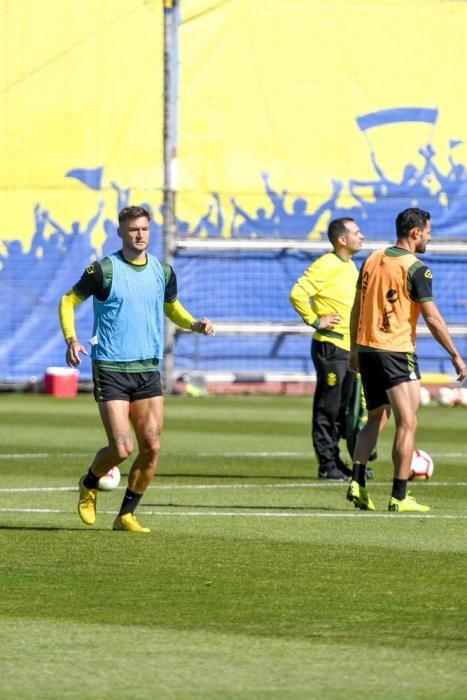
x=460 y=367
x=329 y=321
x=74 y=348
x=203 y=326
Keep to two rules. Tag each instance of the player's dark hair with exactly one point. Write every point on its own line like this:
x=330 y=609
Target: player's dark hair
x=129 y=213
x=337 y=227
x=409 y=219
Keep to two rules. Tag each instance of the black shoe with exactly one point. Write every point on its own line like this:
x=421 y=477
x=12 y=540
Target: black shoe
x=332 y=475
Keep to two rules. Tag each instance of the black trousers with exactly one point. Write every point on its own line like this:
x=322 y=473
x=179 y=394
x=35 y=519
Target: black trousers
x=334 y=384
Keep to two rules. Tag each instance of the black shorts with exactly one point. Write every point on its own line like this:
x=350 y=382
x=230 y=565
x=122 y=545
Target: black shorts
x=383 y=370
x=125 y=386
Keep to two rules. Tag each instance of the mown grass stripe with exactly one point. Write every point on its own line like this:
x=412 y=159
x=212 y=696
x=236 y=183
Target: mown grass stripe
x=253 y=514
x=240 y=486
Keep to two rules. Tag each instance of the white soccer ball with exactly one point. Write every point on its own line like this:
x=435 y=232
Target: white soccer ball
x=446 y=396
x=109 y=481
x=422 y=465
x=461 y=396
x=425 y=396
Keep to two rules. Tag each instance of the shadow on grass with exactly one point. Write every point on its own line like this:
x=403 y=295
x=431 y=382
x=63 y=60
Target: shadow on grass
x=50 y=528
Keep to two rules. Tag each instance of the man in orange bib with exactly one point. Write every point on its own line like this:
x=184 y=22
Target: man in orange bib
x=393 y=287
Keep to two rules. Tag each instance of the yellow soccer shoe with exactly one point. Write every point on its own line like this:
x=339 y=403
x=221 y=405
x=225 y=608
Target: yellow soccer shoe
x=86 y=503
x=129 y=523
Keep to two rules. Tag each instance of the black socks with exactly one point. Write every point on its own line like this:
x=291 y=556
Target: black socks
x=91 y=480
x=399 y=487
x=130 y=501
x=358 y=473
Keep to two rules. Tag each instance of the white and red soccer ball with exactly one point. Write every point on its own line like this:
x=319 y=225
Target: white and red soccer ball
x=110 y=480
x=422 y=465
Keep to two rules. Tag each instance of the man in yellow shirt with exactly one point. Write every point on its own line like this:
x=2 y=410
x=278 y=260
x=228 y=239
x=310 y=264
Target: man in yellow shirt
x=394 y=286
x=323 y=297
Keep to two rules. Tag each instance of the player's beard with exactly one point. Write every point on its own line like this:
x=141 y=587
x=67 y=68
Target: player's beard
x=421 y=247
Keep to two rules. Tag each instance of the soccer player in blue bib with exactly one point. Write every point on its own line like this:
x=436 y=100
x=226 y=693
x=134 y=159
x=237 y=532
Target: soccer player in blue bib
x=131 y=290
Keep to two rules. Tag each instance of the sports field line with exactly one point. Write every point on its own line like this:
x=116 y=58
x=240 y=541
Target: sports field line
x=449 y=455
x=242 y=486
x=43 y=455
x=272 y=455
x=251 y=514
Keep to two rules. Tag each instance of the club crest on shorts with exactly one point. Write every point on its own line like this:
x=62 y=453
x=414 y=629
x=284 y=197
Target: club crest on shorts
x=332 y=379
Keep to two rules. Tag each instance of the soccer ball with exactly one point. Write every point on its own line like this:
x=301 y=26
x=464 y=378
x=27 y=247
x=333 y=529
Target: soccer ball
x=461 y=396
x=422 y=465
x=109 y=481
x=446 y=396
x=425 y=396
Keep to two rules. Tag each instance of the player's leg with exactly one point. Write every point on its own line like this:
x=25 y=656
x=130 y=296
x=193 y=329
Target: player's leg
x=115 y=419
x=378 y=406
x=405 y=399
x=368 y=436
x=331 y=367
x=114 y=416
x=346 y=392
x=366 y=442
x=147 y=417
x=378 y=414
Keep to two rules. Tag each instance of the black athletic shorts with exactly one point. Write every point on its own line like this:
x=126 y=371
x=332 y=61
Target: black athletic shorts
x=383 y=370
x=126 y=386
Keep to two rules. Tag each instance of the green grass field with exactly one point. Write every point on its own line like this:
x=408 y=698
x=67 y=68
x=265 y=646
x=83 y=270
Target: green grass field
x=257 y=581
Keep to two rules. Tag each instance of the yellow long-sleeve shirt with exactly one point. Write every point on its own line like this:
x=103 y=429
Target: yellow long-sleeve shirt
x=327 y=287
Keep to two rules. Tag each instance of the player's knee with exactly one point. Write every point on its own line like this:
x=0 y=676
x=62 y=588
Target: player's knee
x=151 y=448
x=150 y=440
x=407 y=424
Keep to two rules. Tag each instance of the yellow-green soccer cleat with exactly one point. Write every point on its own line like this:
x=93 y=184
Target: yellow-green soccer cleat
x=86 y=503
x=407 y=505
x=358 y=495
x=129 y=523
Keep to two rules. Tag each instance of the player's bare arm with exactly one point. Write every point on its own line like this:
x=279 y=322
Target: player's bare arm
x=438 y=329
